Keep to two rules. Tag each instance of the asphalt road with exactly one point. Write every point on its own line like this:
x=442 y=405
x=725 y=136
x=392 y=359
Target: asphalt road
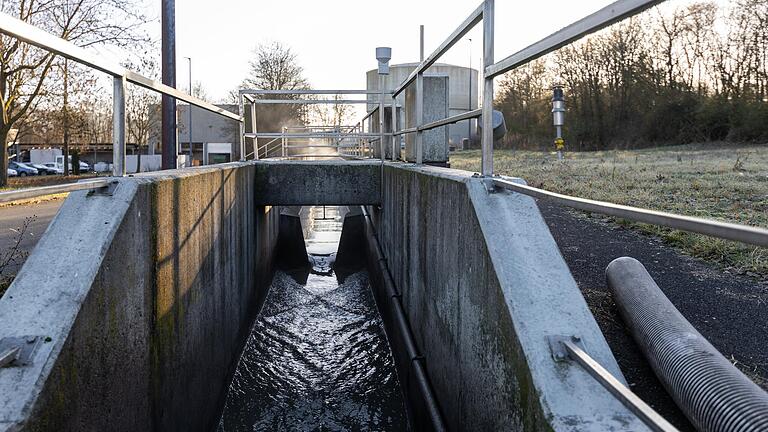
x=12 y=220
x=728 y=309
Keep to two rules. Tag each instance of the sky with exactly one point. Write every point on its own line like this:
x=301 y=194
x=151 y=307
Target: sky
x=335 y=40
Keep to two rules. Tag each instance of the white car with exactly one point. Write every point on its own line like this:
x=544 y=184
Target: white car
x=12 y=173
x=55 y=167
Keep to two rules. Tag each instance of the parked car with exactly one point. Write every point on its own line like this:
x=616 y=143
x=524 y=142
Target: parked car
x=22 y=168
x=84 y=167
x=43 y=170
x=12 y=173
x=56 y=169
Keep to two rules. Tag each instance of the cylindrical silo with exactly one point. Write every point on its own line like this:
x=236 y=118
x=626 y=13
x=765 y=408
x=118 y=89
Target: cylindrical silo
x=459 y=81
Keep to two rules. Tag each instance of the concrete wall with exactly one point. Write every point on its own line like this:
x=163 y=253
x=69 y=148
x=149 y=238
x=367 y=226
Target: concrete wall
x=435 y=107
x=460 y=94
x=143 y=298
x=483 y=285
x=207 y=127
x=299 y=183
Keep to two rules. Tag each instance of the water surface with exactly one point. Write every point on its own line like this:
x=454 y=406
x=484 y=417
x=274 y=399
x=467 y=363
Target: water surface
x=317 y=357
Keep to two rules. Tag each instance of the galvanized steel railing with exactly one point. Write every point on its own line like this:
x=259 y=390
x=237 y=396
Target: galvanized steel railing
x=485 y=12
x=34 y=36
x=606 y=16
x=251 y=98
x=613 y=13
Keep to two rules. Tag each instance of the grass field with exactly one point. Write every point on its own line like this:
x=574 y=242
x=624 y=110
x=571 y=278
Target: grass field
x=723 y=182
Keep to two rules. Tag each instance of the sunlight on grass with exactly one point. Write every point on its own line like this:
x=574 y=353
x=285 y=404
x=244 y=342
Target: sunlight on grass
x=727 y=183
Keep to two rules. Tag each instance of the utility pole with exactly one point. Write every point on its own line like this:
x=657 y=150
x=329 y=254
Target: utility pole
x=65 y=119
x=169 y=141
x=189 y=123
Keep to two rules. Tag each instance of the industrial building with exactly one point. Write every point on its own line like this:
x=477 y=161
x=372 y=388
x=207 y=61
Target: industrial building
x=214 y=138
x=462 y=96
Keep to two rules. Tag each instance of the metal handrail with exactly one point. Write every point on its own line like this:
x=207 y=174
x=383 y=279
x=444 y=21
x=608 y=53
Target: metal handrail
x=9 y=356
x=450 y=120
x=457 y=34
x=322 y=155
x=630 y=400
x=309 y=101
x=265 y=145
x=340 y=146
x=35 y=192
x=728 y=231
x=311 y=92
x=606 y=16
x=311 y=135
x=30 y=34
x=406 y=131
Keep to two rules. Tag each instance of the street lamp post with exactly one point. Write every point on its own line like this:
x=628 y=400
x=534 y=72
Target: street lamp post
x=189 y=125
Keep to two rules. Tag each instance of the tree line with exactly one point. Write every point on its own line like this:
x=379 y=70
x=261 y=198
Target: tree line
x=677 y=75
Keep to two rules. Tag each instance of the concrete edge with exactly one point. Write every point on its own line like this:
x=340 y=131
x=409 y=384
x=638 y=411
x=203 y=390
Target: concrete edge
x=544 y=300
x=47 y=291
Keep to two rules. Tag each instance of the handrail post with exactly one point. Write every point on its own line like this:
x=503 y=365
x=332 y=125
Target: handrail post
x=255 y=131
x=419 y=118
x=118 y=127
x=242 y=126
x=382 y=144
x=283 y=144
x=419 y=141
x=393 y=129
x=487 y=138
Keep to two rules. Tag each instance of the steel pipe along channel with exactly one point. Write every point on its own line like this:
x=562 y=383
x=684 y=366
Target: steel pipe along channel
x=400 y=320
x=711 y=392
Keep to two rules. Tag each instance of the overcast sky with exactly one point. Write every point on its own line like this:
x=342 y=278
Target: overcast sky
x=335 y=39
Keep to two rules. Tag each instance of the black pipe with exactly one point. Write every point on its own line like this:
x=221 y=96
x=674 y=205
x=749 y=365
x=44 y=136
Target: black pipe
x=403 y=329
x=711 y=392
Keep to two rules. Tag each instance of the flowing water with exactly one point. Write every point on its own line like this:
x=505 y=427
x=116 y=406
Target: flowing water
x=317 y=357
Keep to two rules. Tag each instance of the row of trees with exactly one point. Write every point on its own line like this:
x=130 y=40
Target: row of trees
x=692 y=73
x=276 y=67
x=33 y=81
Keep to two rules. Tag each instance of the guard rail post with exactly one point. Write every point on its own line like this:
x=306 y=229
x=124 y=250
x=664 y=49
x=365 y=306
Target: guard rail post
x=487 y=138
x=118 y=127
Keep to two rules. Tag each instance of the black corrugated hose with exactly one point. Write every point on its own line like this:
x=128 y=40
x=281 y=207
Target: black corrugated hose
x=713 y=394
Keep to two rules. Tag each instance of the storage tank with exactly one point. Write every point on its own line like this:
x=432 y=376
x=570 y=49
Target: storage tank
x=459 y=95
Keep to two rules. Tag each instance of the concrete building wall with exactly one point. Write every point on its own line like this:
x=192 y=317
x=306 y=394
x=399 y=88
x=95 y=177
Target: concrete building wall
x=143 y=313
x=435 y=142
x=459 y=93
x=207 y=127
x=483 y=284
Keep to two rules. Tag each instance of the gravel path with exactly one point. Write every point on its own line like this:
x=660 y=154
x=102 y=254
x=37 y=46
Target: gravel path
x=728 y=309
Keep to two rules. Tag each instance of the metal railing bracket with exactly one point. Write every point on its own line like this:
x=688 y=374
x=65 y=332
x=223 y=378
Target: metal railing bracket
x=107 y=190
x=559 y=351
x=18 y=351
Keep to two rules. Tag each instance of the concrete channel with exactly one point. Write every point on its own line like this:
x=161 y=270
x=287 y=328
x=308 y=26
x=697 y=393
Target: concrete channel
x=138 y=322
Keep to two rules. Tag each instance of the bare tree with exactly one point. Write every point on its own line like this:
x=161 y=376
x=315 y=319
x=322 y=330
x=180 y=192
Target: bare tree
x=142 y=107
x=276 y=67
x=24 y=70
x=337 y=114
